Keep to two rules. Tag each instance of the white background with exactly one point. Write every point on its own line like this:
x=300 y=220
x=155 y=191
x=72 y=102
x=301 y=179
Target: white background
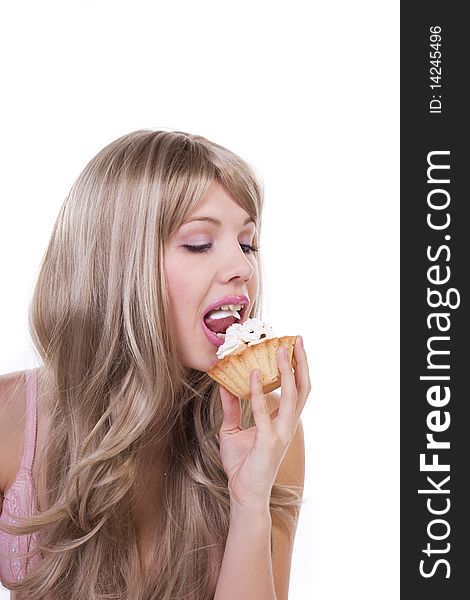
x=308 y=93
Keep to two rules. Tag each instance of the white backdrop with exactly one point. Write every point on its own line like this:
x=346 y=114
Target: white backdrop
x=308 y=93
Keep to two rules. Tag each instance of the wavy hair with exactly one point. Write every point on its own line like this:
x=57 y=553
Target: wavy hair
x=100 y=319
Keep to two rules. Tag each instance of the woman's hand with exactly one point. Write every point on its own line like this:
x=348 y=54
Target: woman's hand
x=251 y=457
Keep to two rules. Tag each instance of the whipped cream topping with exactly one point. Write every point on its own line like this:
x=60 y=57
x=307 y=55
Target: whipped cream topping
x=253 y=331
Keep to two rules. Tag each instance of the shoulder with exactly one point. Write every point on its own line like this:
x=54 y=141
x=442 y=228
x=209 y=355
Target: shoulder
x=12 y=422
x=292 y=469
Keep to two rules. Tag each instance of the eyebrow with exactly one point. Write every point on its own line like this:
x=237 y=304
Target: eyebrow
x=215 y=221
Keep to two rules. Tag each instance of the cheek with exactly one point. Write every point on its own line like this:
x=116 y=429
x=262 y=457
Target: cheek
x=254 y=281
x=182 y=283
x=175 y=278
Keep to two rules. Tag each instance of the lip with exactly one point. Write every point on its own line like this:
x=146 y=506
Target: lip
x=211 y=336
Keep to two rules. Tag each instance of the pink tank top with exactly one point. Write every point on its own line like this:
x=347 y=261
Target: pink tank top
x=20 y=497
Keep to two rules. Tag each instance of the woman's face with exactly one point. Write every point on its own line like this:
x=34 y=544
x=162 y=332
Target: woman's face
x=198 y=279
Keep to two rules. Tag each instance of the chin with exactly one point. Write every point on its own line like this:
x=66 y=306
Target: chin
x=200 y=364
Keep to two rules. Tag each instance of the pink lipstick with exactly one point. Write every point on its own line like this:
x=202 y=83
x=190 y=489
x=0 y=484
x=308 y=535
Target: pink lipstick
x=215 y=339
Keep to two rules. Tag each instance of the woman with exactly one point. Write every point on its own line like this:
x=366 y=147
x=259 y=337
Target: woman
x=150 y=480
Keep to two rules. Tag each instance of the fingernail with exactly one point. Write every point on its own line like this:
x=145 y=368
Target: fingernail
x=258 y=375
x=301 y=341
x=284 y=352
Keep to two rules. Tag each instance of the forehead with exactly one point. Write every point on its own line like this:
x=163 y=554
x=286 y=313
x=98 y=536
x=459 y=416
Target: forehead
x=217 y=207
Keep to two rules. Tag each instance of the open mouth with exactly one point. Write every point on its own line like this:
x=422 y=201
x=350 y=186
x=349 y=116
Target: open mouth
x=215 y=328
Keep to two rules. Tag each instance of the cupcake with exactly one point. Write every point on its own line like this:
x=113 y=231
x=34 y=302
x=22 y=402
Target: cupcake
x=246 y=347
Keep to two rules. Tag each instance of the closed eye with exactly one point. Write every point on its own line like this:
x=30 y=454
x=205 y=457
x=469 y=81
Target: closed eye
x=247 y=249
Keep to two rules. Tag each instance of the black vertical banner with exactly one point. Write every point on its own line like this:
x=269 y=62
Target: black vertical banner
x=435 y=301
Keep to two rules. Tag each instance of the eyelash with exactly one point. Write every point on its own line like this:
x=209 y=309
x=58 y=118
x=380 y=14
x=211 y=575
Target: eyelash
x=206 y=247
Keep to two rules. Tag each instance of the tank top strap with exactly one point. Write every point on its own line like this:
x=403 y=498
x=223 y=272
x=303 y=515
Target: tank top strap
x=31 y=420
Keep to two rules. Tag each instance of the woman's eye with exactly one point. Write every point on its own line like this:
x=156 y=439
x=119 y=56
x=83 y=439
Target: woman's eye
x=247 y=249
x=203 y=248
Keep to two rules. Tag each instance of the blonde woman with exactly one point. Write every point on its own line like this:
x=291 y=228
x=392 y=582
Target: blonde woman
x=125 y=470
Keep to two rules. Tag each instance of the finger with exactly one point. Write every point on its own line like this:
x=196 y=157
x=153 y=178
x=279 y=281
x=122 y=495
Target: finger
x=302 y=377
x=258 y=403
x=232 y=410
x=289 y=396
x=274 y=413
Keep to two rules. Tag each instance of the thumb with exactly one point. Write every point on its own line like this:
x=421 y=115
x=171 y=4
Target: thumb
x=232 y=410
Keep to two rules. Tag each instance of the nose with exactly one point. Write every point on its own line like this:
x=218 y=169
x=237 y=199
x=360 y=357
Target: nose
x=236 y=264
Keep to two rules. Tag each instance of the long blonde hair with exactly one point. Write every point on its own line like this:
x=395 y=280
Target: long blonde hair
x=100 y=318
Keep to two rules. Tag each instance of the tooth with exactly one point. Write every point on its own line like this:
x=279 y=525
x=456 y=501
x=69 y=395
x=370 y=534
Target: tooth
x=225 y=306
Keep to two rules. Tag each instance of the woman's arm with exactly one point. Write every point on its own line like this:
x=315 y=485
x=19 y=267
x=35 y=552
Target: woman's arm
x=252 y=459
x=247 y=570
